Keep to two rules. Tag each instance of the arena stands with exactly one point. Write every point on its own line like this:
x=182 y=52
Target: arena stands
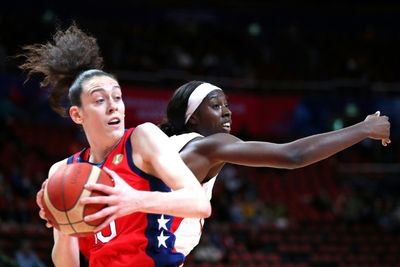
x=317 y=67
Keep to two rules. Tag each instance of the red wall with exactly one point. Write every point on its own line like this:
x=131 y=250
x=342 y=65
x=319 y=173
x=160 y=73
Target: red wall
x=259 y=115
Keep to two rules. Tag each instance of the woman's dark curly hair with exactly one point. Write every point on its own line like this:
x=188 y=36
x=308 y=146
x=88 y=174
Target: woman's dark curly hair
x=64 y=62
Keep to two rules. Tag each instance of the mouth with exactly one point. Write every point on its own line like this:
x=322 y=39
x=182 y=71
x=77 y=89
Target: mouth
x=227 y=126
x=114 y=121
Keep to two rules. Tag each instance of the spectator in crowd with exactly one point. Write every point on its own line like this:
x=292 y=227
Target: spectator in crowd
x=25 y=256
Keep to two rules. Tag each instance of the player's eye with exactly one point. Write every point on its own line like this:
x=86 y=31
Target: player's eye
x=216 y=106
x=99 y=101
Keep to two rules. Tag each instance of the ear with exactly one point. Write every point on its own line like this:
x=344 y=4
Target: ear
x=193 y=119
x=75 y=114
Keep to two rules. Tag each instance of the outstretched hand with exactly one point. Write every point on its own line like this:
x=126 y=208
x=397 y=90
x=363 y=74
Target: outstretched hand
x=122 y=199
x=379 y=127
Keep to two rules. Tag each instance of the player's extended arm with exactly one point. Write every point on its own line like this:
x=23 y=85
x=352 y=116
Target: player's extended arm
x=299 y=153
x=318 y=147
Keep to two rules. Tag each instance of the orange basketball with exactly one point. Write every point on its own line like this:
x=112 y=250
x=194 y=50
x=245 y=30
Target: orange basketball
x=62 y=193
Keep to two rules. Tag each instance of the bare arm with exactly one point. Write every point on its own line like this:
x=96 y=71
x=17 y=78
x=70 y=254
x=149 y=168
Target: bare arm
x=65 y=249
x=153 y=154
x=219 y=148
x=161 y=160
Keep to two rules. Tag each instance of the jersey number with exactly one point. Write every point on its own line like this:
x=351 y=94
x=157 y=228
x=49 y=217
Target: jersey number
x=106 y=239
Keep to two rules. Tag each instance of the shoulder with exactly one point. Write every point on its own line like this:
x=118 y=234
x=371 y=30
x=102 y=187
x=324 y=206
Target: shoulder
x=57 y=165
x=181 y=140
x=145 y=126
x=185 y=136
x=147 y=129
x=213 y=142
x=147 y=139
x=219 y=138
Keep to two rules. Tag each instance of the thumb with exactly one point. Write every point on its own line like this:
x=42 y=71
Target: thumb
x=115 y=176
x=378 y=113
x=112 y=173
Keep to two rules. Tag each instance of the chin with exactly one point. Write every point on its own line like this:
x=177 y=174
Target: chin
x=118 y=132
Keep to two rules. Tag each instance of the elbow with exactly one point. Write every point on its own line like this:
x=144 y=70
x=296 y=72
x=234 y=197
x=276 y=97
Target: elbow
x=295 y=160
x=205 y=210
x=290 y=157
x=203 y=207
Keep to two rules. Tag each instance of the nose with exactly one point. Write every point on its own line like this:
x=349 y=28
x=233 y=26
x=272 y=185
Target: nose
x=226 y=111
x=112 y=106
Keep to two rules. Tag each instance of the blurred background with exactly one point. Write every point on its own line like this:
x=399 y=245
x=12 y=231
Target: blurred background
x=289 y=69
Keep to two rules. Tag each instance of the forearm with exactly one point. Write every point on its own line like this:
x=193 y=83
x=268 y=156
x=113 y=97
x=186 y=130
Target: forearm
x=65 y=250
x=187 y=198
x=180 y=203
x=314 y=148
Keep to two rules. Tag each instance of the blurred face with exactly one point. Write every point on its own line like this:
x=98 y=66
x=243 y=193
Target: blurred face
x=102 y=112
x=213 y=115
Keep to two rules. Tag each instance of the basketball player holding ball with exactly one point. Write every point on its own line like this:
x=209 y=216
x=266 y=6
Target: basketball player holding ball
x=199 y=116
x=198 y=121
x=153 y=181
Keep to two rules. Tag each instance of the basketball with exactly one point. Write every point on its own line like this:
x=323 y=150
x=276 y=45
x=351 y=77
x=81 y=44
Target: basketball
x=62 y=193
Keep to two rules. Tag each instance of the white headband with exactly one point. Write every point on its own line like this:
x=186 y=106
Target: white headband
x=197 y=97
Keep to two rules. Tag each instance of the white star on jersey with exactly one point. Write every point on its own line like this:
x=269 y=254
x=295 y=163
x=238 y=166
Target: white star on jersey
x=161 y=239
x=162 y=223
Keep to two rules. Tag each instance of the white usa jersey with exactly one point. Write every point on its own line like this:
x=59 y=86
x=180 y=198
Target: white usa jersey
x=188 y=232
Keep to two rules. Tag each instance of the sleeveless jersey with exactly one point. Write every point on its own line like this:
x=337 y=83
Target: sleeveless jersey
x=188 y=230
x=137 y=239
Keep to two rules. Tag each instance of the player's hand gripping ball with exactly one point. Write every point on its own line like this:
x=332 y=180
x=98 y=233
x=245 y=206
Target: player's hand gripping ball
x=62 y=194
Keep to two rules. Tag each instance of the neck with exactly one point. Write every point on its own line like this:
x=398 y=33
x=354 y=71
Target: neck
x=98 y=155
